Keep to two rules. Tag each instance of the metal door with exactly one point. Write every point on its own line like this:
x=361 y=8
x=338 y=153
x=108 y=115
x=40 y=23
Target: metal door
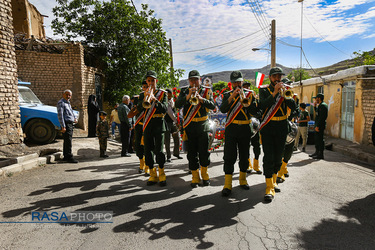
x=347 y=111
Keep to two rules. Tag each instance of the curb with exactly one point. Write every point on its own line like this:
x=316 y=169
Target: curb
x=354 y=153
x=28 y=162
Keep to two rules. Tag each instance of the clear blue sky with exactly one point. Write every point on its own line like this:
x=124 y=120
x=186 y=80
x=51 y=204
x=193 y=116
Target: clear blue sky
x=332 y=31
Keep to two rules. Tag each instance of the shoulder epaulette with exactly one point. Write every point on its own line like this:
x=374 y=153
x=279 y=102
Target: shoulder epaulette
x=227 y=92
x=163 y=90
x=264 y=86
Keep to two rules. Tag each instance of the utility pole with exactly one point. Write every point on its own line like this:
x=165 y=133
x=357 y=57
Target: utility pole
x=273 y=43
x=300 y=67
x=170 y=52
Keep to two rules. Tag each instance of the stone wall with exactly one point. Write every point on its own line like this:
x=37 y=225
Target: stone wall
x=51 y=73
x=368 y=105
x=10 y=126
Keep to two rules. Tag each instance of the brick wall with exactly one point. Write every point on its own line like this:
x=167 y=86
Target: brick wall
x=10 y=127
x=51 y=73
x=368 y=101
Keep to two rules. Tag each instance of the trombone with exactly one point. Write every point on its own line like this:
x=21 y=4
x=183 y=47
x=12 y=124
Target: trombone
x=194 y=98
x=147 y=101
x=243 y=99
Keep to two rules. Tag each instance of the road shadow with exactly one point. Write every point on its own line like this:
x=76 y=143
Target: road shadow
x=355 y=232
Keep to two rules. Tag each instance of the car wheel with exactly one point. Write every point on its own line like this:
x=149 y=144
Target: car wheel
x=40 y=131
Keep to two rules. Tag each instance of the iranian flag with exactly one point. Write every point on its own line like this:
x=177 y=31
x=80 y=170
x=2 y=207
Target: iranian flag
x=259 y=77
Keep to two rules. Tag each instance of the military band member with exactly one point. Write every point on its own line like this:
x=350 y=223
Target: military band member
x=138 y=133
x=196 y=103
x=237 y=130
x=154 y=103
x=255 y=140
x=274 y=129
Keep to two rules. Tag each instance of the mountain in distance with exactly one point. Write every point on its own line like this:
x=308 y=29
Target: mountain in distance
x=249 y=74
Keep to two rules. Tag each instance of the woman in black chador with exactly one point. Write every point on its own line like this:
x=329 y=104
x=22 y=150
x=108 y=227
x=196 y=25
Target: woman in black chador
x=93 y=110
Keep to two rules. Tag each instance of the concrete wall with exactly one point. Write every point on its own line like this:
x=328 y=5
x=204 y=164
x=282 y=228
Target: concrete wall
x=10 y=126
x=50 y=74
x=27 y=19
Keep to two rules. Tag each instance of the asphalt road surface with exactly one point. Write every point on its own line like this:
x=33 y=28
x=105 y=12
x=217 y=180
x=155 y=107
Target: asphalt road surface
x=326 y=204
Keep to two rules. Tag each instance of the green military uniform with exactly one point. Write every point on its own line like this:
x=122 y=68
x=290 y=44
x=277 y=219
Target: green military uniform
x=197 y=130
x=139 y=148
x=255 y=143
x=321 y=113
x=102 y=129
x=273 y=134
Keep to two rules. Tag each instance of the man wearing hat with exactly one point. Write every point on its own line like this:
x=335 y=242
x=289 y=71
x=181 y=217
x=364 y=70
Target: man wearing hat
x=274 y=128
x=321 y=113
x=255 y=140
x=153 y=127
x=196 y=103
x=237 y=130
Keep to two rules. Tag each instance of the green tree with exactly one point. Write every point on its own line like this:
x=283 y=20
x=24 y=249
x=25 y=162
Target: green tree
x=128 y=43
x=297 y=74
x=364 y=58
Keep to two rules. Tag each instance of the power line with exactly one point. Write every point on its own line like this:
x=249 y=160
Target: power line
x=255 y=9
x=189 y=51
x=325 y=39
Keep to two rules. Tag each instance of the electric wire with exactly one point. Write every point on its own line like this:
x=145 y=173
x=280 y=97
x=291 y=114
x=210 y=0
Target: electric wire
x=216 y=46
x=258 y=19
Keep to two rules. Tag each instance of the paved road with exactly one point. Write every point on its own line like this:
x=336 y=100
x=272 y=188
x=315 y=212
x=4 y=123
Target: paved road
x=327 y=204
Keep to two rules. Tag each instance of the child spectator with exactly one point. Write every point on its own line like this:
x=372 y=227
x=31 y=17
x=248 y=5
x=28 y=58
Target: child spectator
x=102 y=132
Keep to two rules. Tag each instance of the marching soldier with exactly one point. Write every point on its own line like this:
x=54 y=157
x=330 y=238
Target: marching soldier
x=154 y=103
x=274 y=128
x=255 y=140
x=239 y=105
x=138 y=133
x=196 y=103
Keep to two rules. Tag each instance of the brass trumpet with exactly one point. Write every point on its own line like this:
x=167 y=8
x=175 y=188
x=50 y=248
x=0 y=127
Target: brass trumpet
x=147 y=101
x=286 y=92
x=243 y=99
x=194 y=98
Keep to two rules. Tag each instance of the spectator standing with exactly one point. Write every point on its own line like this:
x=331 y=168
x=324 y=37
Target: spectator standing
x=304 y=118
x=115 y=121
x=66 y=118
x=102 y=131
x=123 y=111
x=321 y=111
x=93 y=110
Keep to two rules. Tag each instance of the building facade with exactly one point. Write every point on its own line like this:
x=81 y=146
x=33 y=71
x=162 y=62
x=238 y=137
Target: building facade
x=350 y=96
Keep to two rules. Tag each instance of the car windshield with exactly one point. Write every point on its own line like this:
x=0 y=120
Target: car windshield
x=27 y=96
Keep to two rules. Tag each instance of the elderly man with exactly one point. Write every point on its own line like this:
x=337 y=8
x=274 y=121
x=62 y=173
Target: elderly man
x=273 y=129
x=66 y=118
x=196 y=103
x=123 y=111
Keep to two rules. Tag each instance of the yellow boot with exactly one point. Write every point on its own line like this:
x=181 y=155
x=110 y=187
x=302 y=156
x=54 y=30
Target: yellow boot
x=256 y=166
x=227 y=185
x=162 y=177
x=270 y=192
x=286 y=173
x=141 y=165
x=147 y=170
x=195 y=178
x=205 y=177
x=153 y=177
x=249 y=168
x=280 y=174
x=275 y=186
x=243 y=181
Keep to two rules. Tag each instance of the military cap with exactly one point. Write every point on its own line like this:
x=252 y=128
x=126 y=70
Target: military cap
x=194 y=74
x=152 y=74
x=246 y=83
x=276 y=70
x=286 y=80
x=102 y=113
x=236 y=76
x=320 y=95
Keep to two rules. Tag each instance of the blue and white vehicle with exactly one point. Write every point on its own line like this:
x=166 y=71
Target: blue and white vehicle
x=39 y=122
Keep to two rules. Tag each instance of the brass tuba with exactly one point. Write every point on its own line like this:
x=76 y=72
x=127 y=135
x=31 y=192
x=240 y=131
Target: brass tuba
x=147 y=101
x=194 y=98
